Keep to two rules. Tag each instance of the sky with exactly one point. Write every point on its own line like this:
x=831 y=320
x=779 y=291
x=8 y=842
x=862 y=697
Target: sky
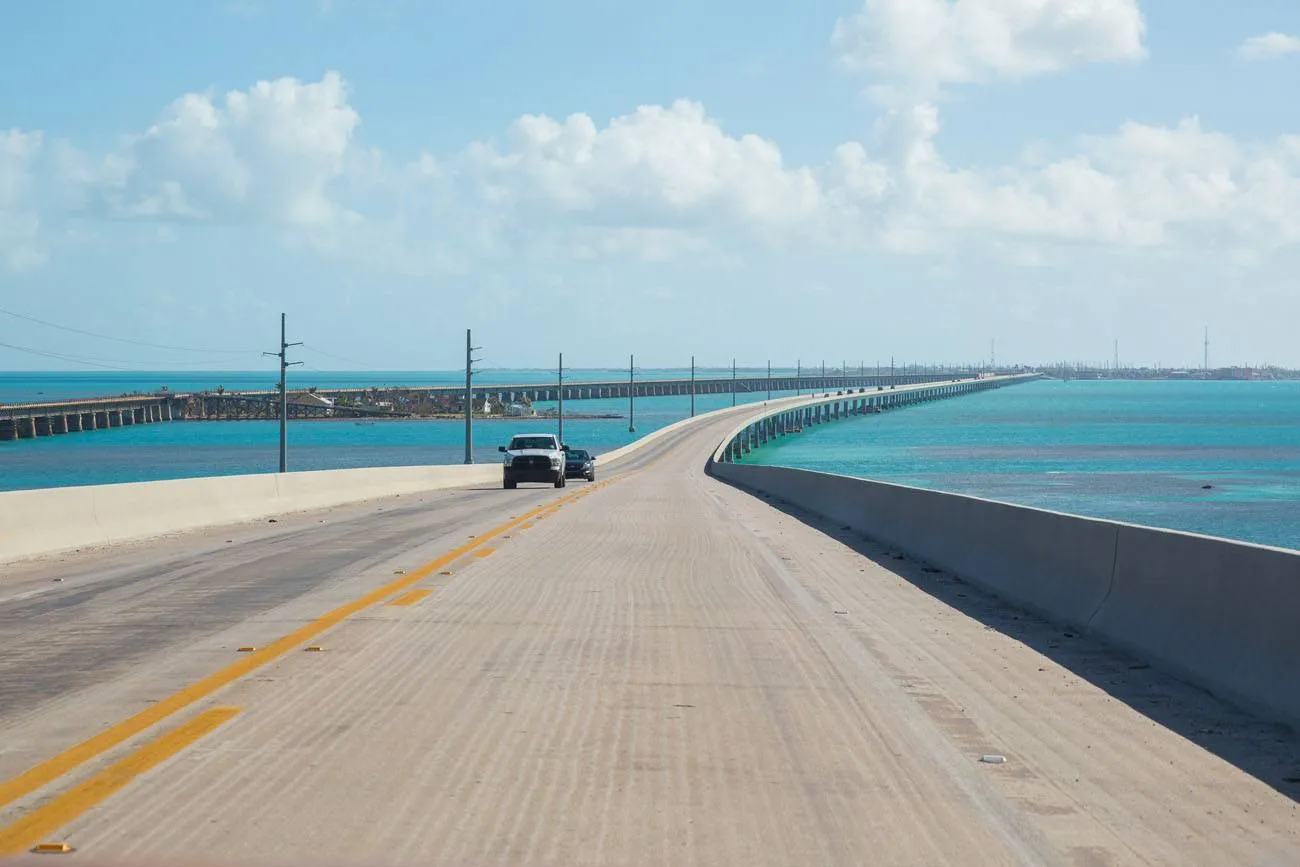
x=932 y=180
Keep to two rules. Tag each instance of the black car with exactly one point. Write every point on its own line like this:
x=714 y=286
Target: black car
x=580 y=464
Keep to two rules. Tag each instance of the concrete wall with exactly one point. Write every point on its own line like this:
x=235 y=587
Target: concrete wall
x=56 y=519
x=1222 y=614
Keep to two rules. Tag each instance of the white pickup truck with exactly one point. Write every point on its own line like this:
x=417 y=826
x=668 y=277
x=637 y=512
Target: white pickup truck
x=533 y=458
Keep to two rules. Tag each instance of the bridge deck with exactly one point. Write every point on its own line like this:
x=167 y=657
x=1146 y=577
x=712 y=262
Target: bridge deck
x=655 y=669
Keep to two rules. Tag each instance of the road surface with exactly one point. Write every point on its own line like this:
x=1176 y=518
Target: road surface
x=655 y=669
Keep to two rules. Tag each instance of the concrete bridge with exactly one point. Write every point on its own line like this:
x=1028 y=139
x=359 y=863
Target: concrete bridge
x=30 y=420
x=673 y=665
x=611 y=389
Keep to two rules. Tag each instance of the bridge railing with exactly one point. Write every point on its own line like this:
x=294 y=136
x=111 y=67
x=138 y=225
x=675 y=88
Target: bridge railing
x=757 y=429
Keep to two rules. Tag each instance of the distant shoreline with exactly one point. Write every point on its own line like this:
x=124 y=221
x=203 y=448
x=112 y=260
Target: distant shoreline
x=440 y=417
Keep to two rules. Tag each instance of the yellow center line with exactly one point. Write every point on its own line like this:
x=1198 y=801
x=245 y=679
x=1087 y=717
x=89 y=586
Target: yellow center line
x=411 y=597
x=55 y=767
x=41 y=822
x=485 y=552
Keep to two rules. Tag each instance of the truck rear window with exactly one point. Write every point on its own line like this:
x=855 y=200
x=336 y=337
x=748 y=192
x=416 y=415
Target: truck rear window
x=521 y=443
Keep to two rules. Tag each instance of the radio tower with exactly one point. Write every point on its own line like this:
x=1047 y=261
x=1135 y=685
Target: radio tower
x=1207 y=349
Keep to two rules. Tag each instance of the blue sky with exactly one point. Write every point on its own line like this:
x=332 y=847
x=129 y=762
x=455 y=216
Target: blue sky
x=825 y=179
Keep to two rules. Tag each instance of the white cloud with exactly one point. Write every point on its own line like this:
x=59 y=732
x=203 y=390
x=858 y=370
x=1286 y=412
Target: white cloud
x=656 y=183
x=1144 y=186
x=656 y=167
x=928 y=43
x=1269 y=46
x=19 y=222
x=270 y=153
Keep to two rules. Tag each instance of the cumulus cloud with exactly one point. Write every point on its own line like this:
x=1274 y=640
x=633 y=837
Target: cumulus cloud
x=1144 y=186
x=660 y=165
x=657 y=182
x=19 y=222
x=1269 y=46
x=929 y=43
x=270 y=153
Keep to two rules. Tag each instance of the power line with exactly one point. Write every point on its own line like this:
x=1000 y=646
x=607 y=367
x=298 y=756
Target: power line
x=106 y=363
x=122 y=339
x=61 y=357
x=311 y=348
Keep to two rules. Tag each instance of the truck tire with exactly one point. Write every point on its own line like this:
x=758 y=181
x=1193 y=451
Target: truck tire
x=510 y=484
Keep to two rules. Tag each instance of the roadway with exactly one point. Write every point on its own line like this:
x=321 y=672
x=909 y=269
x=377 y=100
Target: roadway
x=657 y=668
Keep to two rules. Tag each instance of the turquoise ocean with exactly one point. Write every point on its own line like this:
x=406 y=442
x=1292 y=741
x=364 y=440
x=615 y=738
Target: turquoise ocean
x=1132 y=451
x=206 y=448
x=1135 y=451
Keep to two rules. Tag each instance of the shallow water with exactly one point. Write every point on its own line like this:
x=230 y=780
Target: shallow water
x=1130 y=451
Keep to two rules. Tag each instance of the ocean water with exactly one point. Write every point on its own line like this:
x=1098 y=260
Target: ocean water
x=207 y=448
x=1139 y=452
x=16 y=387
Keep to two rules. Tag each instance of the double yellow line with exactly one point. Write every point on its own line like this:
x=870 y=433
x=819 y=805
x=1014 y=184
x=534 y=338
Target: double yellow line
x=25 y=832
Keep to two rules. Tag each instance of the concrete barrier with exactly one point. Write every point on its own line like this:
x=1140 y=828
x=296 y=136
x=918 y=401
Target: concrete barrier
x=44 y=521
x=56 y=519
x=1222 y=614
x=649 y=439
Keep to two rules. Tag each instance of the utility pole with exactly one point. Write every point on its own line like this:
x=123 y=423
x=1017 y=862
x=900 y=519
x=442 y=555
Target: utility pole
x=284 y=396
x=733 y=382
x=692 y=386
x=1116 y=358
x=891 y=370
x=993 y=355
x=631 y=394
x=1207 y=349
x=469 y=398
x=560 y=432
x=798 y=377
x=769 y=380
